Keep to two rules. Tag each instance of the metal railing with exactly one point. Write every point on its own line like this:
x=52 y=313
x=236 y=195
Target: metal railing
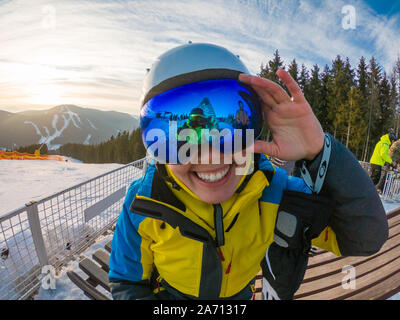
x=391 y=191
x=50 y=231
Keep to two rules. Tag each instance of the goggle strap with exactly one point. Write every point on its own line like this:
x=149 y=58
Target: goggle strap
x=322 y=170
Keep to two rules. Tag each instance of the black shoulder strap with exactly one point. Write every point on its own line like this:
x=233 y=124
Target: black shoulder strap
x=269 y=174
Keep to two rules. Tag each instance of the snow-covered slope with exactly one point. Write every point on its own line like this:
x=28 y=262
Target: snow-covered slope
x=62 y=124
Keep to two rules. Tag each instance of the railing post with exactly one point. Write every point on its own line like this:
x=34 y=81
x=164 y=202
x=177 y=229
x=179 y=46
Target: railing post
x=36 y=231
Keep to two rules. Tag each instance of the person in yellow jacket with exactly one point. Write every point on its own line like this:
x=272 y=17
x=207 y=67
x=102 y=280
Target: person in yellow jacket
x=379 y=157
x=200 y=230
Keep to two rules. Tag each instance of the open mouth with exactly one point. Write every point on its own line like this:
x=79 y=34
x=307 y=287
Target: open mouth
x=213 y=176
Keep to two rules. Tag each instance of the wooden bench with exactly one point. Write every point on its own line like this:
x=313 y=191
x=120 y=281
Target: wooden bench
x=376 y=277
x=97 y=272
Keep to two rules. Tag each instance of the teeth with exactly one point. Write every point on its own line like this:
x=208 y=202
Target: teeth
x=214 y=176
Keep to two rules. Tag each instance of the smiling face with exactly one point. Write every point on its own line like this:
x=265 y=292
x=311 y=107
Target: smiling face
x=212 y=183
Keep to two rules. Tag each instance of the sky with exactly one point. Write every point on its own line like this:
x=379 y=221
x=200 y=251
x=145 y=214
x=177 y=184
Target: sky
x=95 y=53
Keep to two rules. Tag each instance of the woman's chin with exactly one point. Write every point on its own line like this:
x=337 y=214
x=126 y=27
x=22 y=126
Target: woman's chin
x=214 y=198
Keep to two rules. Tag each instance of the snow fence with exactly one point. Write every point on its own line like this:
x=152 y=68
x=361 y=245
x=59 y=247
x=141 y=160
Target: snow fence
x=51 y=231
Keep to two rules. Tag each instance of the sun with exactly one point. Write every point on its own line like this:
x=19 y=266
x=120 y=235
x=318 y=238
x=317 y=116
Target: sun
x=50 y=95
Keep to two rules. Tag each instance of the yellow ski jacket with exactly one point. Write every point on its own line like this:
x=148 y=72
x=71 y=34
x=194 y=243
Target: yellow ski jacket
x=381 y=152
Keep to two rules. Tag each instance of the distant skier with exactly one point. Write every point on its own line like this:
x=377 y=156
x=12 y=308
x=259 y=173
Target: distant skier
x=379 y=158
x=201 y=117
x=242 y=118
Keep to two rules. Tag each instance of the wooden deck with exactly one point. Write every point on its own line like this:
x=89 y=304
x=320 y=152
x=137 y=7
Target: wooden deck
x=329 y=277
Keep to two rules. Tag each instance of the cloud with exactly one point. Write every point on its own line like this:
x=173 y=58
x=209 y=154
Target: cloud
x=97 y=52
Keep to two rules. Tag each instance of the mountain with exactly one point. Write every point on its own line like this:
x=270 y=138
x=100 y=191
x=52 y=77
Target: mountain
x=62 y=124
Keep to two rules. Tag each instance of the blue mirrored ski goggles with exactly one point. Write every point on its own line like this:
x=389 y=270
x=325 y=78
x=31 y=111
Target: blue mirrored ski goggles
x=223 y=113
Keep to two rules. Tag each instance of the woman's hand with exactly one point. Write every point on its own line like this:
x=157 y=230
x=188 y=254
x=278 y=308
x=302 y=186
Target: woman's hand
x=297 y=133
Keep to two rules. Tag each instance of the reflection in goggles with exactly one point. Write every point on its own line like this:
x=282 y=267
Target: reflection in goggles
x=223 y=105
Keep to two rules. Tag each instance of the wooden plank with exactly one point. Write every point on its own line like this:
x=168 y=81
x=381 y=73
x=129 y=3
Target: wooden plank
x=393 y=213
x=324 y=276
x=323 y=257
x=258 y=285
x=258 y=296
x=395 y=220
x=336 y=265
x=87 y=288
x=102 y=258
x=362 y=282
x=331 y=268
x=381 y=290
x=95 y=272
x=108 y=246
x=335 y=279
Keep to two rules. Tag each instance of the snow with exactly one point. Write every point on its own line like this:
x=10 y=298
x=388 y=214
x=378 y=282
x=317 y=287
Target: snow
x=68 y=117
x=26 y=180
x=86 y=142
x=22 y=181
x=72 y=116
x=91 y=124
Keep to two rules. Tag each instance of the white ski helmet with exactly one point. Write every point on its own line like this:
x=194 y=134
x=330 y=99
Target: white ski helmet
x=190 y=63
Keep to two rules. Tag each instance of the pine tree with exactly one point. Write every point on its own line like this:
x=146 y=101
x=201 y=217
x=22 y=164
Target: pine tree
x=338 y=88
x=362 y=80
x=394 y=103
x=314 y=97
x=362 y=77
x=270 y=69
x=375 y=117
x=264 y=71
x=303 y=81
x=294 y=70
x=385 y=105
x=356 y=123
x=269 y=72
x=323 y=116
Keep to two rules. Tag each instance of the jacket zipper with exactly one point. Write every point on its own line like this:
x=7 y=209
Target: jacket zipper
x=219 y=225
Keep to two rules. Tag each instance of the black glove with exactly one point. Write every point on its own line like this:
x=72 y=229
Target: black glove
x=301 y=217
